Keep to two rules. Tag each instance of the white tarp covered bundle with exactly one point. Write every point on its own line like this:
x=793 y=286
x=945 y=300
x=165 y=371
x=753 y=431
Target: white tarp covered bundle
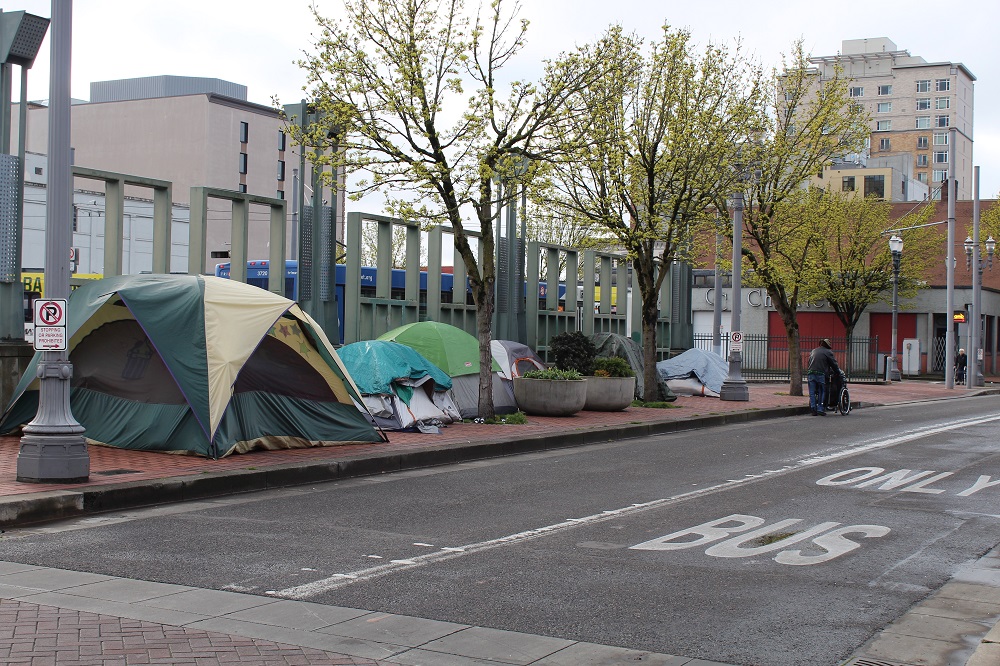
x=695 y=372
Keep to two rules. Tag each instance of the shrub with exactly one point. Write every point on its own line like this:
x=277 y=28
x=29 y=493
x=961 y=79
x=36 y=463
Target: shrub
x=517 y=418
x=612 y=367
x=573 y=351
x=554 y=373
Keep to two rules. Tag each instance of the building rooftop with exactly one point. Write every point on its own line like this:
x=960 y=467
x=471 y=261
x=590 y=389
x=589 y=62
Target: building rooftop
x=152 y=87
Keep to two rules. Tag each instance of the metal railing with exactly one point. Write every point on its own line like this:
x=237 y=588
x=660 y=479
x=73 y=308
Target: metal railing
x=766 y=357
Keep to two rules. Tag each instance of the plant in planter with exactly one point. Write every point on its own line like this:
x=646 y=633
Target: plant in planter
x=551 y=392
x=612 y=387
x=573 y=351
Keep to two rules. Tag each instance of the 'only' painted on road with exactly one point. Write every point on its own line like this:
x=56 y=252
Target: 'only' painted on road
x=904 y=480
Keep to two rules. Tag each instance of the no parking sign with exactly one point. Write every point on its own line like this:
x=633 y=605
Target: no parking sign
x=736 y=341
x=50 y=324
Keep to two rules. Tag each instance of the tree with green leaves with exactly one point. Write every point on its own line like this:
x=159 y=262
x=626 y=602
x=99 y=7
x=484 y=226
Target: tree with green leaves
x=414 y=94
x=989 y=220
x=650 y=153
x=854 y=252
x=806 y=121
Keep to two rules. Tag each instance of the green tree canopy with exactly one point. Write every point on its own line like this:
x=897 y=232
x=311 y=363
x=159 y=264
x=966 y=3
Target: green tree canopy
x=805 y=122
x=411 y=91
x=857 y=268
x=649 y=153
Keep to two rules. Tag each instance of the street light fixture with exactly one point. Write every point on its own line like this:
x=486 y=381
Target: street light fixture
x=734 y=387
x=896 y=249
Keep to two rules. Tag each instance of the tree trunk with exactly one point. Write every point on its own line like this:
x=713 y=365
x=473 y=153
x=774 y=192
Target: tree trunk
x=650 y=313
x=484 y=331
x=794 y=361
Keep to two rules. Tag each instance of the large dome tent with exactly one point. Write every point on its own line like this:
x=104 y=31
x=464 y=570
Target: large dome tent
x=199 y=364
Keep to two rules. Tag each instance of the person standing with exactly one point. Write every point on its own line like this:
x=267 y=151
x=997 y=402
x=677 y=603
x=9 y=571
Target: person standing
x=961 y=363
x=821 y=363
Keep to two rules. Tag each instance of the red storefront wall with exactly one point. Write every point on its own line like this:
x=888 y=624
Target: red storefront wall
x=880 y=324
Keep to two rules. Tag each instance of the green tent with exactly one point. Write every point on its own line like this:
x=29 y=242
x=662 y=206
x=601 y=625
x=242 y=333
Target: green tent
x=457 y=353
x=449 y=348
x=199 y=364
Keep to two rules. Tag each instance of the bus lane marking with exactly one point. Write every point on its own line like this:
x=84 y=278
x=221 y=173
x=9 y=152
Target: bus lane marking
x=828 y=536
x=340 y=580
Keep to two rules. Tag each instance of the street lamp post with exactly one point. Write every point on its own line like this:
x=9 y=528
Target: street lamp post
x=734 y=387
x=974 y=263
x=717 y=295
x=896 y=249
x=53 y=448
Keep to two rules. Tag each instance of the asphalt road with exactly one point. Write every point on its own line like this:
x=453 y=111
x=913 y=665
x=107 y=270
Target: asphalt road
x=781 y=542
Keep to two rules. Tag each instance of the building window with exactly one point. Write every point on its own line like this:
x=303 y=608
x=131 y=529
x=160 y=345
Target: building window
x=875 y=185
x=940 y=138
x=242 y=188
x=847 y=184
x=282 y=140
x=857 y=91
x=921 y=142
x=942 y=85
x=940 y=175
x=940 y=157
x=280 y=194
x=923 y=122
x=923 y=103
x=244 y=132
x=885 y=107
x=243 y=162
x=924 y=85
x=922 y=176
x=942 y=103
x=281 y=170
x=921 y=160
x=941 y=121
x=883 y=126
x=883 y=144
x=885 y=90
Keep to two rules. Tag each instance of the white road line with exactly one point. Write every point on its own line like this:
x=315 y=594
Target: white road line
x=820 y=458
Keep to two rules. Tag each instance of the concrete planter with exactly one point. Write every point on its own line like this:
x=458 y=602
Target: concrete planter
x=550 y=397
x=609 y=394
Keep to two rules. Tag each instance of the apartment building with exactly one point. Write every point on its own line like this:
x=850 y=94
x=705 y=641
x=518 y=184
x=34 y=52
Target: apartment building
x=913 y=105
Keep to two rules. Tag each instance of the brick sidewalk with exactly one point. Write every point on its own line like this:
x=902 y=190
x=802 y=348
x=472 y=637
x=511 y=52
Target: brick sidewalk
x=36 y=635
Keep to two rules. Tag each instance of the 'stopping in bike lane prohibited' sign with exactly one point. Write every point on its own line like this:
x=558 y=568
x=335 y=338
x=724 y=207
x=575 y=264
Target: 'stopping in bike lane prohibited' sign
x=736 y=341
x=50 y=324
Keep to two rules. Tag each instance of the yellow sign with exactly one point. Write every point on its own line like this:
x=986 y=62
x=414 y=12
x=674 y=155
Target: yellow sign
x=959 y=317
x=35 y=282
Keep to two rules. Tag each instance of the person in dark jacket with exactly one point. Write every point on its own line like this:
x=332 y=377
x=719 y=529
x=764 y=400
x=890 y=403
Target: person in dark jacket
x=961 y=363
x=821 y=363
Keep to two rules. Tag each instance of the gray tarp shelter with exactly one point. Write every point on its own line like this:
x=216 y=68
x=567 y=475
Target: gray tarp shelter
x=706 y=367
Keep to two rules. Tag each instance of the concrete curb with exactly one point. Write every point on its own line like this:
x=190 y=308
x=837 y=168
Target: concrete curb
x=20 y=510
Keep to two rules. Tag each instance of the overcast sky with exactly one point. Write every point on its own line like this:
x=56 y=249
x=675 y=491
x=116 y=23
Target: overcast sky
x=255 y=42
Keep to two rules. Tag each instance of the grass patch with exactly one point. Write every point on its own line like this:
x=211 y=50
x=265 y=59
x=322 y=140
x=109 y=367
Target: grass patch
x=517 y=418
x=654 y=405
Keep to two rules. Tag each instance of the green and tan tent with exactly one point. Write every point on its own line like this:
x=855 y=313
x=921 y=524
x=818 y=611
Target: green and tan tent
x=202 y=365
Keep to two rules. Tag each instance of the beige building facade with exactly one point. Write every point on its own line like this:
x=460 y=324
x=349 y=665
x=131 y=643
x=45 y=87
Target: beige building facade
x=913 y=105
x=193 y=132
